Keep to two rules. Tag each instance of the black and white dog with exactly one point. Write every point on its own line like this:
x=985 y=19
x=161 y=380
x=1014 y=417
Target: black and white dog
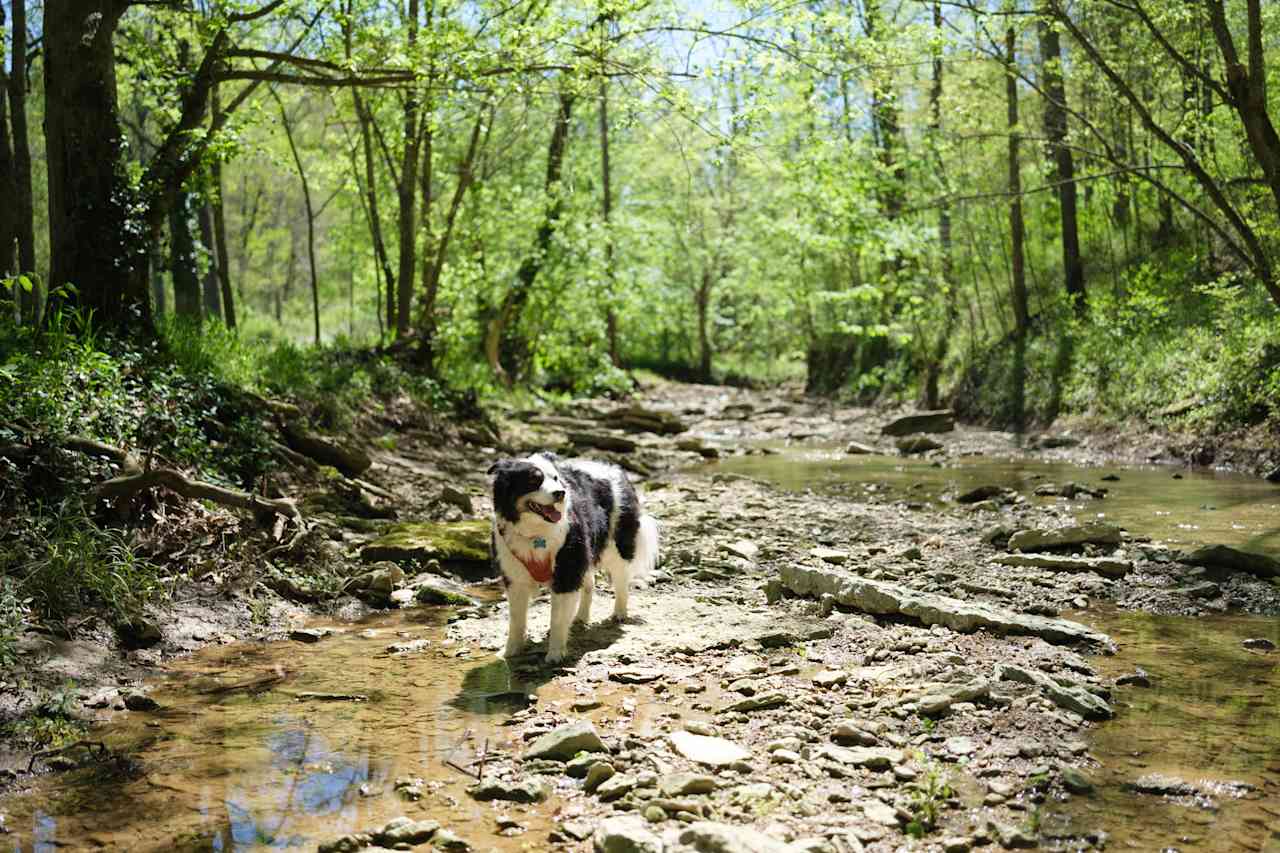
x=555 y=522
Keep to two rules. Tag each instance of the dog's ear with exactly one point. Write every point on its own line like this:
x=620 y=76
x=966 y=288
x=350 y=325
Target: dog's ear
x=498 y=466
x=553 y=458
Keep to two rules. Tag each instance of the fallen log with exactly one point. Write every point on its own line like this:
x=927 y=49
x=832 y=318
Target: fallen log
x=350 y=460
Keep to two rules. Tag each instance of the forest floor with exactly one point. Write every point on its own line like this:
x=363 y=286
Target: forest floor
x=808 y=669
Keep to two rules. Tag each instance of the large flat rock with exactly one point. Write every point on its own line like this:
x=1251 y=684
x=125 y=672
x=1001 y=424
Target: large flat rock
x=1065 y=537
x=941 y=420
x=1110 y=567
x=886 y=599
x=1226 y=557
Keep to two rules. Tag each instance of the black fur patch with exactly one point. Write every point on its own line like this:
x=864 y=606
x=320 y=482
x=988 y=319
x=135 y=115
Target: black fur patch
x=513 y=478
x=628 y=522
x=590 y=505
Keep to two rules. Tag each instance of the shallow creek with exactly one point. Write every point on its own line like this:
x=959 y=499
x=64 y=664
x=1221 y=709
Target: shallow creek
x=239 y=758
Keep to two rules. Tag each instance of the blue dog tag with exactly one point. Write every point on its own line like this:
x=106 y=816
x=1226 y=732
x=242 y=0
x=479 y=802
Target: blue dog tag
x=539 y=542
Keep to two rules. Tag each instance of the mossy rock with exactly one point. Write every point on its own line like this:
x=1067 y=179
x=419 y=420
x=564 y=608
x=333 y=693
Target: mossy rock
x=459 y=541
x=438 y=593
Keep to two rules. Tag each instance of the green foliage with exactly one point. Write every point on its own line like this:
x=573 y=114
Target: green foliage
x=76 y=567
x=13 y=613
x=51 y=725
x=929 y=795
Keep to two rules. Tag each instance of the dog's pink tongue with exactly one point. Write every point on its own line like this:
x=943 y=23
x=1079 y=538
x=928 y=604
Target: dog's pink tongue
x=553 y=514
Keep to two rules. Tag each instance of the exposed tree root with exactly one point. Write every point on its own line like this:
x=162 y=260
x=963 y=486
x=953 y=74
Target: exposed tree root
x=131 y=484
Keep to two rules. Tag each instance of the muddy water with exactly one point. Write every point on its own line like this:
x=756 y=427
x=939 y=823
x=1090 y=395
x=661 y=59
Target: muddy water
x=1210 y=718
x=237 y=759
x=1203 y=506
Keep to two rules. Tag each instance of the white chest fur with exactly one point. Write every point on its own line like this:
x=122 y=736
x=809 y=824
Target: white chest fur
x=529 y=559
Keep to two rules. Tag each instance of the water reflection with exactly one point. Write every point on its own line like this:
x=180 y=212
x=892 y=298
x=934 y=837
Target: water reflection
x=1205 y=506
x=229 y=766
x=1210 y=717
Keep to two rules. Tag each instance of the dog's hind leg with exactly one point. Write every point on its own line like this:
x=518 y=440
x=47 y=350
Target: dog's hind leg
x=620 y=577
x=563 y=605
x=584 y=603
x=517 y=616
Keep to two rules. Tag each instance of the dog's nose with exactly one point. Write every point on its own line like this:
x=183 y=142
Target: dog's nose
x=558 y=494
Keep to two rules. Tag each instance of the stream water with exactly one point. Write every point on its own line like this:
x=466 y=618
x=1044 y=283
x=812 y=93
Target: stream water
x=241 y=758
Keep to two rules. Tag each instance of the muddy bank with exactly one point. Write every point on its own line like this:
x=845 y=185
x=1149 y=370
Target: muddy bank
x=740 y=700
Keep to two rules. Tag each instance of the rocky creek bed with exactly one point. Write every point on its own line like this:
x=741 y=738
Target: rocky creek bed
x=882 y=661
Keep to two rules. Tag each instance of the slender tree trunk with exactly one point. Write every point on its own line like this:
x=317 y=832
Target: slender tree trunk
x=1016 y=234
x=310 y=216
x=1016 y=228
x=8 y=183
x=703 y=302
x=381 y=255
x=1055 y=128
x=211 y=288
x=93 y=235
x=606 y=210
x=933 y=370
x=159 y=295
x=25 y=212
x=220 y=231
x=182 y=260
x=435 y=260
x=504 y=340
x=408 y=191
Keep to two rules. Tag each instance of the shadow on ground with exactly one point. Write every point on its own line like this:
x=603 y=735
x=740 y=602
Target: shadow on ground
x=500 y=687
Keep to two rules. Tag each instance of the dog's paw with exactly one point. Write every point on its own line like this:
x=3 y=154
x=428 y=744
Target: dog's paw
x=513 y=650
x=554 y=657
x=625 y=619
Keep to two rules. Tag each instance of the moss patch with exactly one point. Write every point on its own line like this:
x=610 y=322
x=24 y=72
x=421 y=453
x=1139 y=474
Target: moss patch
x=436 y=594
x=460 y=541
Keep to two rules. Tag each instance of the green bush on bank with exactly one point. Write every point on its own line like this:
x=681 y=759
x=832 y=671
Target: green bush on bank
x=191 y=399
x=1152 y=342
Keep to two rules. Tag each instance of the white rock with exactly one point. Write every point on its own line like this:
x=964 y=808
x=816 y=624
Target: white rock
x=712 y=751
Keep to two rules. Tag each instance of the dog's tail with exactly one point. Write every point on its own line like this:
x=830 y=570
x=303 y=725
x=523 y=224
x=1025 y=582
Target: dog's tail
x=646 y=557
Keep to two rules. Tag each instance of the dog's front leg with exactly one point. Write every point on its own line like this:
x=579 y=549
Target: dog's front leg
x=563 y=605
x=517 y=617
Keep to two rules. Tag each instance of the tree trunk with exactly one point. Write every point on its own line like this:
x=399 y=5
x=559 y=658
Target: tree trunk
x=1248 y=87
x=182 y=260
x=606 y=209
x=220 y=231
x=381 y=255
x=1016 y=227
x=310 y=216
x=211 y=289
x=703 y=303
x=94 y=240
x=504 y=330
x=408 y=192
x=1063 y=171
x=933 y=370
x=8 y=185
x=434 y=262
x=21 y=141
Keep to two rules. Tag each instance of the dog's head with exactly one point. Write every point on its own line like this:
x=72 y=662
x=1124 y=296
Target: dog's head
x=529 y=493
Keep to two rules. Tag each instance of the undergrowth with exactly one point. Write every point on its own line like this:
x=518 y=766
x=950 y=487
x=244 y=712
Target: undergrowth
x=1153 y=342
x=50 y=725
x=191 y=399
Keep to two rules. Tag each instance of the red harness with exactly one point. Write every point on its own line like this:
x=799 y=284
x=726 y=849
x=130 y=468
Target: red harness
x=539 y=570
